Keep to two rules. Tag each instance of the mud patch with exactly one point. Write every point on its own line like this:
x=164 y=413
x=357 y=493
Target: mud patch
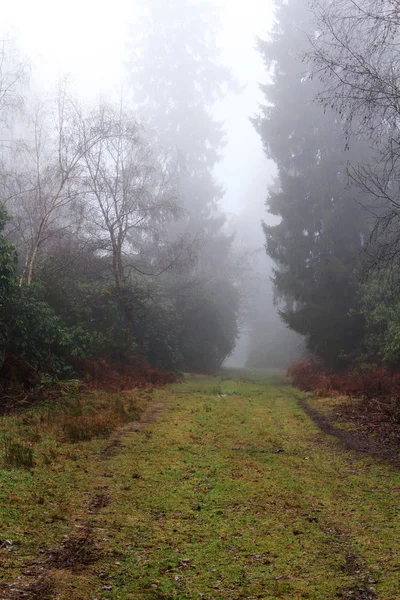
x=355 y=593
x=75 y=551
x=42 y=589
x=147 y=418
x=98 y=499
x=350 y=440
x=354 y=566
x=362 y=588
x=111 y=449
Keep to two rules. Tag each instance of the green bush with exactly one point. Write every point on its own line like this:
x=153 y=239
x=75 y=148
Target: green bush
x=33 y=339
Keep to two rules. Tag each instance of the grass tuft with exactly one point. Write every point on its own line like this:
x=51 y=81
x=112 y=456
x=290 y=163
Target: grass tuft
x=17 y=455
x=81 y=429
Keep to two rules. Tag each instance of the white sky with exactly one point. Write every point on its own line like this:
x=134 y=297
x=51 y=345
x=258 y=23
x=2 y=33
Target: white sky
x=88 y=40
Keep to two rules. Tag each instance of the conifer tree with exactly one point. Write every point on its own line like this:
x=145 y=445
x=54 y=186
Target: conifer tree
x=176 y=78
x=318 y=242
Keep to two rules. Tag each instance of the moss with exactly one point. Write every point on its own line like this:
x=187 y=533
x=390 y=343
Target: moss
x=231 y=493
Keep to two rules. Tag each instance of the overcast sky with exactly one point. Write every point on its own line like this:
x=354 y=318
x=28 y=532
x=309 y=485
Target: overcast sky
x=87 y=39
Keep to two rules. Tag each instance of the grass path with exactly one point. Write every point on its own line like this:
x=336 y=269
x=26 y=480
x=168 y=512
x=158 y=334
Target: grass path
x=233 y=493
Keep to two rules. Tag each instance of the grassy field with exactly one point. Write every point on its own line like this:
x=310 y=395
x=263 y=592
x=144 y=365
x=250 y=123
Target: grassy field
x=225 y=491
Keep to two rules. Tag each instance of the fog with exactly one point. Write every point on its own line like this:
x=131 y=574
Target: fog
x=90 y=48
x=89 y=41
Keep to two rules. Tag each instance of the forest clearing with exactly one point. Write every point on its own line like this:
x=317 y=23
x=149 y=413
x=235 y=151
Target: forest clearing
x=215 y=488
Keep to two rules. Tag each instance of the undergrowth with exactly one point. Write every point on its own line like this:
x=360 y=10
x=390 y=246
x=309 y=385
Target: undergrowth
x=79 y=414
x=99 y=375
x=357 y=381
x=363 y=399
x=102 y=374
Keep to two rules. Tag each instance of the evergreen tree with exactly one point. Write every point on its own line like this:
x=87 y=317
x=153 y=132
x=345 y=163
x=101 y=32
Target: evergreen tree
x=176 y=78
x=33 y=339
x=318 y=241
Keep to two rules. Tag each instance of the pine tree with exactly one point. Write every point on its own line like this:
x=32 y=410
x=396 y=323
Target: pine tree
x=318 y=241
x=176 y=78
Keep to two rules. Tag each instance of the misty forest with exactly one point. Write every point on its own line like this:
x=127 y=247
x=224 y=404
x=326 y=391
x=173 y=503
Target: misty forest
x=200 y=300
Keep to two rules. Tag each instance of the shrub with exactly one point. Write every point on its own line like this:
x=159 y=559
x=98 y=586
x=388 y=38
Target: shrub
x=17 y=455
x=357 y=381
x=306 y=374
x=105 y=375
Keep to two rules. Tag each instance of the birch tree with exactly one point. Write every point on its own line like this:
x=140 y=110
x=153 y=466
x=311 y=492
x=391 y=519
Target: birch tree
x=130 y=190
x=355 y=51
x=47 y=172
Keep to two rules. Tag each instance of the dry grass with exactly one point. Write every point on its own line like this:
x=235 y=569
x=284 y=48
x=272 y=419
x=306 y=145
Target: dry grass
x=361 y=406
x=102 y=374
x=38 y=435
x=368 y=381
x=17 y=455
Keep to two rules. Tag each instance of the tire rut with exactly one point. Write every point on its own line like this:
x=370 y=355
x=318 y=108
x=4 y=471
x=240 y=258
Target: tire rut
x=78 y=549
x=350 y=440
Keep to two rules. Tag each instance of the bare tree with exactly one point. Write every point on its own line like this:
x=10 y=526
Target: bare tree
x=355 y=50
x=13 y=75
x=46 y=169
x=131 y=191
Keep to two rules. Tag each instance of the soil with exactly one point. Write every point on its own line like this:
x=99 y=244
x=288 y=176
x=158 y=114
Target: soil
x=375 y=434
